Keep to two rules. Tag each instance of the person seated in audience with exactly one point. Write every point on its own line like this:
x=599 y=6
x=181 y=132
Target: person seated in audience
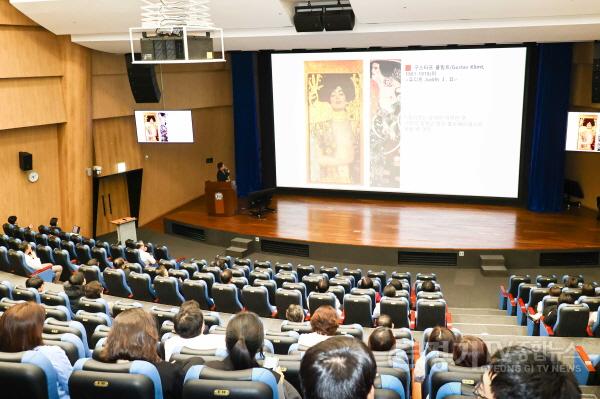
x=551 y=312
x=428 y=286
x=35 y=282
x=226 y=277
x=294 y=313
x=366 y=283
x=339 y=368
x=554 y=291
x=220 y=263
x=147 y=258
x=93 y=290
x=74 y=289
x=13 y=220
x=388 y=291
x=35 y=263
x=93 y=262
x=519 y=372
x=322 y=288
x=397 y=284
x=21 y=329
x=162 y=271
x=588 y=291
x=384 y=320
x=324 y=323
x=122 y=264
x=134 y=336
x=470 y=351
x=382 y=340
x=572 y=282
x=244 y=338
x=440 y=339
x=189 y=325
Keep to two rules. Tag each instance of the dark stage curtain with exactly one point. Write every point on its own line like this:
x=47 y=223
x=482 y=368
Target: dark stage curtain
x=546 y=176
x=245 y=118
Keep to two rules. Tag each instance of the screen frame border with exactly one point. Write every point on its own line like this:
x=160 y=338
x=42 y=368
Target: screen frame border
x=168 y=142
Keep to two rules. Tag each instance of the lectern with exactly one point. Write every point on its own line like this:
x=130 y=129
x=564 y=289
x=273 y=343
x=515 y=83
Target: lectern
x=221 y=198
x=125 y=229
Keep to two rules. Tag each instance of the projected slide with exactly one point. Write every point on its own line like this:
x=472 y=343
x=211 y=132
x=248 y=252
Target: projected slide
x=582 y=131
x=442 y=122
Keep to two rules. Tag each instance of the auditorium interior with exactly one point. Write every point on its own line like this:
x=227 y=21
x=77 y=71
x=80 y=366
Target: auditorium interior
x=465 y=153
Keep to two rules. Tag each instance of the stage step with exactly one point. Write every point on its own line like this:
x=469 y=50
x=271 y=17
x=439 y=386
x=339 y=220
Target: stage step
x=478 y=311
x=493 y=265
x=493 y=329
x=240 y=247
x=483 y=319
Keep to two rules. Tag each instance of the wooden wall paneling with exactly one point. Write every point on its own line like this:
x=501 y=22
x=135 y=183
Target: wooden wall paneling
x=583 y=168
x=9 y=15
x=108 y=64
x=28 y=52
x=190 y=90
x=115 y=141
x=75 y=137
x=33 y=203
x=31 y=102
x=175 y=173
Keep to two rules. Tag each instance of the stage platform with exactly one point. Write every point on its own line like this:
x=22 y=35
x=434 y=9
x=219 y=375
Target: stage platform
x=400 y=232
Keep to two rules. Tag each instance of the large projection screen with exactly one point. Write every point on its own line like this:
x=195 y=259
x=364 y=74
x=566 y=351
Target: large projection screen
x=445 y=122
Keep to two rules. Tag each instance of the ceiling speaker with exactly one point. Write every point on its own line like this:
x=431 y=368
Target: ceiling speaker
x=338 y=18
x=308 y=19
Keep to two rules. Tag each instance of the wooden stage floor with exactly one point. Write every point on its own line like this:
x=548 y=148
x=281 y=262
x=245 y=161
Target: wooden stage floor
x=403 y=224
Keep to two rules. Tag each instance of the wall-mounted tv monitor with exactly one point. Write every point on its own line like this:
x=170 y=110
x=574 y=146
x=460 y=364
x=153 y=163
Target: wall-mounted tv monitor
x=164 y=126
x=582 y=131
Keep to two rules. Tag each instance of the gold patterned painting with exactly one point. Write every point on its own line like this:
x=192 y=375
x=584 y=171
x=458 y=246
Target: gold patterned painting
x=334 y=117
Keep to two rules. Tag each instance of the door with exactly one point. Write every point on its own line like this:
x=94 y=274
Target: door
x=113 y=202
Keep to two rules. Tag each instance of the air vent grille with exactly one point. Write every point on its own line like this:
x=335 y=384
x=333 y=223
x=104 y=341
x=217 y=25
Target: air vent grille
x=284 y=248
x=569 y=259
x=187 y=231
x=427 y=258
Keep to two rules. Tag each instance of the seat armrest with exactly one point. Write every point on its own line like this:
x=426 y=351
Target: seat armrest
x=586 y=359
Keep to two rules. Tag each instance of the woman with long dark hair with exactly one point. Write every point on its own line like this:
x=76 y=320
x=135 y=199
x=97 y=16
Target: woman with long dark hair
x=21 y=329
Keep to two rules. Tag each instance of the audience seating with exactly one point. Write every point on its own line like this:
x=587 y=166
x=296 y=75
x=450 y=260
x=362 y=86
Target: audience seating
x=84 y=254
x=63 y=258
x=17 y=263
x=301 y=288
x=202 y=382
x=116 y=282
x=100 y=254
x=5 y=265
x=317 y=299
x=167 y=291
x=226 y=298
x=256 y=299
x=572 y=321
x=25 y=294
x=398 y=309
x=27 y=375
x=197 y=290
x=91 y=320
x=271 y=287
x=133 y=380
x=358 y=310
x=430 y=313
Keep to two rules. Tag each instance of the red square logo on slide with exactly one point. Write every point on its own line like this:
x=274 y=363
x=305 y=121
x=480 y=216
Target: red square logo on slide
x=407 y=67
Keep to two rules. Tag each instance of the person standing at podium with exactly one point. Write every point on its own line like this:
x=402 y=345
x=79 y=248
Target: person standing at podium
x=222 y=172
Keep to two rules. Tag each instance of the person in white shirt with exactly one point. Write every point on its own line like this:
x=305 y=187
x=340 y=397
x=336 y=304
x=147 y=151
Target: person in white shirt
x=144 y=255
x=588 y=291
x=34 y=262
x=554 y=291
x=324 y=323
x=189 y=324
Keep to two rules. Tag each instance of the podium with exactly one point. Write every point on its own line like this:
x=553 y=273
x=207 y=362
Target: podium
x=221 y=198
x=125 y=229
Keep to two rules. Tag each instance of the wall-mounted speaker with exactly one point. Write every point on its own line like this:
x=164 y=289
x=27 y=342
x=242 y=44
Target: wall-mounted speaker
x=338 y=18
x=25 y=161
x=308 y=19
x=142 y=80
x=596 y=74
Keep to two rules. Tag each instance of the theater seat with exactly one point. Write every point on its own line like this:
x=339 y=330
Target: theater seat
x=94 y=305
x=132 y=380
x=197 y=290
x=226 y=298
x=260 y=274
x=283 y=266
x=21 y=293
x=167 y=291
x=27 y=375
x=58 y=312
x=17 y=263
x=69 y=246
x=121 y=306
x=91 y=320
x=4 y=262
x=358 y=309
x=116 y=282
x=84 y=254
x=45 y=253
x=92 y=273
x=6 y=289
x=339 y=293
x=572 y=321
x=301 y=288
x=330 y=271
x=317 y=299
x=300 y=328
x=63 y=258
x=117 y=251
x=54 y=242
x=141 y=287
x=430 y=313
x=536 y=294
x=455 y=381
x=544 y=281
x=56 y=298
x=388 y=387
x=370 y=292
x=204 y=382
x=304 y=270
x=284 y=298
x=509 y=294
x=54 y=326
x=282 y=340
x=256 y=299
x=271 y=287
x=284 y=277
x=69 y=343
x=311 y=282
x=100 y=254
x=398 y=309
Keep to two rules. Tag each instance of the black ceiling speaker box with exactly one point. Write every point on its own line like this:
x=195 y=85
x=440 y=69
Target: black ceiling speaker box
x=142 y=80
x=596 y=74
x=25 y=161
x=338 y=18
x=308 y=19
